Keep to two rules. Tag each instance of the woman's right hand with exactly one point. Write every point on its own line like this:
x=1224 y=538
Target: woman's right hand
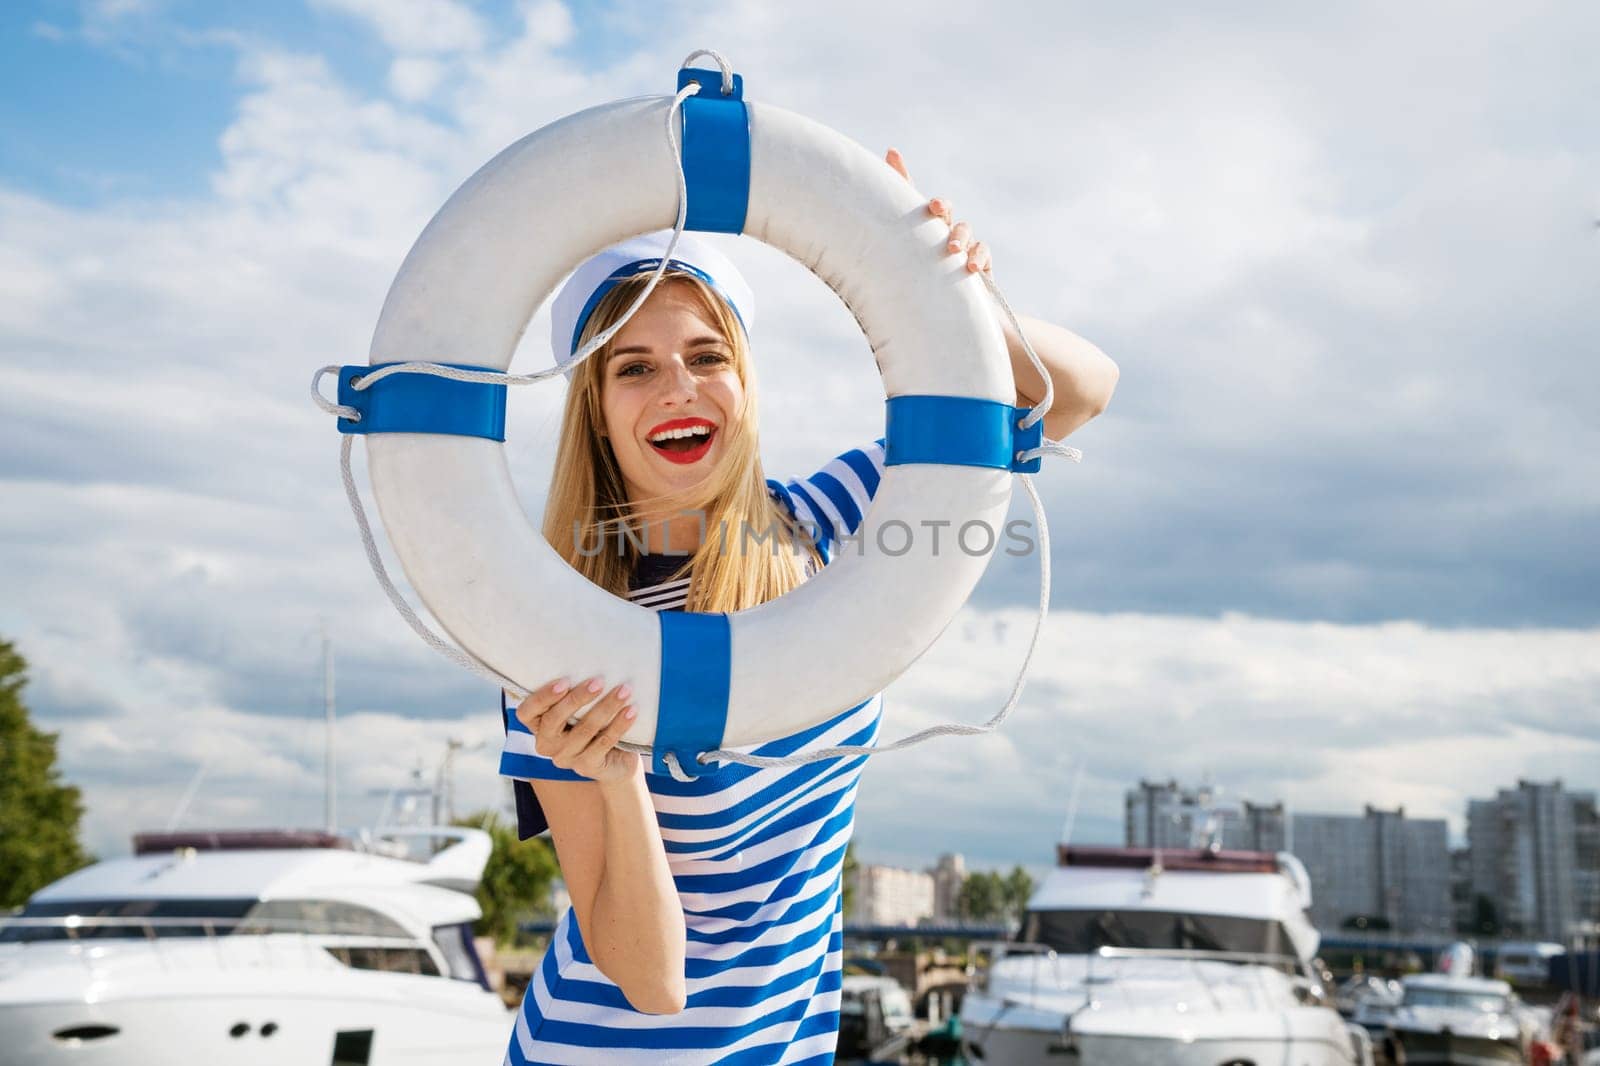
x=588 y=747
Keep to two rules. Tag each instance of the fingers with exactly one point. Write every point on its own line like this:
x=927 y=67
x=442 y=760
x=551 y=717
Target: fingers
x=978 y=258
x=898 y=162
x=620 y=723
x=580 y=734
x=585 y=743
x=960 y=237
x=552 y=727
x=540 y=700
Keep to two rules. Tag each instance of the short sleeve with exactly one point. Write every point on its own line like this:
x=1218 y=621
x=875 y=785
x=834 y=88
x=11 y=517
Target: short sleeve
x=521 y=761
x=834 y=500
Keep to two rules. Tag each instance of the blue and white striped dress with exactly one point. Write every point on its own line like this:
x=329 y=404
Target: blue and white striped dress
x=756 y=856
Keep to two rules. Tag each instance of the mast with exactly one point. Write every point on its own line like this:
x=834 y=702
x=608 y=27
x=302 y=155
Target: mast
x=330 y=791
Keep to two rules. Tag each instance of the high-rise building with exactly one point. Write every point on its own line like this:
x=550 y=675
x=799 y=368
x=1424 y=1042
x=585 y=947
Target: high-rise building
x=1463 y=905
x=889 y=895
x=1380 y=866
x=948 y=875
x=1535 y=856
x=1263 y=828
x=1162 y=814
x=1376 y=865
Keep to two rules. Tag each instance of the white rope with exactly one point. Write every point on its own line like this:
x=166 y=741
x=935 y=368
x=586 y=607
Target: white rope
x=460 y=656
x=722 y=65
x=952 y=729
x=467 y=661
x=365 y=381
x=1044 y=405
x=456 y=655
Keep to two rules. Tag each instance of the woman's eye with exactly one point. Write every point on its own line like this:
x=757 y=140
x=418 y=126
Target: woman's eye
x=632 y=370
x=710 y=359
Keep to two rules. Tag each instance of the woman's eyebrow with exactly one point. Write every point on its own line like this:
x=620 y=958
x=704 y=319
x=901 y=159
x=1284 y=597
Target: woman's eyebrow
x=645 y=349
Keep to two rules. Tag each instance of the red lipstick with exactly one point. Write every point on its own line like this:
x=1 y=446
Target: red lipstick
x=681 y=450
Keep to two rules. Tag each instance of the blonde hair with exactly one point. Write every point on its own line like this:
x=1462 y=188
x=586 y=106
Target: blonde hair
x=589 y=503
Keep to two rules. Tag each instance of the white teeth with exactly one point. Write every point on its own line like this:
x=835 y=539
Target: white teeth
x=679 y=434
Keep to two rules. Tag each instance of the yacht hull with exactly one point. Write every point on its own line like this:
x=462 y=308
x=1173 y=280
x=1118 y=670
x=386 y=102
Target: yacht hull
x=1002 y=1035
x=1021 y=1047
x=272 y=1030
x=235 y=1000
x=1422 y=1048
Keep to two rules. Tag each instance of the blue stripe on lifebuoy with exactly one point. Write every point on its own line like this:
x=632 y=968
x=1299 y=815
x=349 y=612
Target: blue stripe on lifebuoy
x=959 y=431
x=424 y=403
x=716 y=153
x=696 y=672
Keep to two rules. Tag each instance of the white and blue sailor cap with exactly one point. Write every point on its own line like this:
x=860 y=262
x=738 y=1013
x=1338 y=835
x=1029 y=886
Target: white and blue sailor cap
x=600 y=274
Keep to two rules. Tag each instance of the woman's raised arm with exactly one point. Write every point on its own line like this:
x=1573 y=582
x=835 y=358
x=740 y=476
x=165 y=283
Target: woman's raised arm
x=608 y=843
x=1082 y=377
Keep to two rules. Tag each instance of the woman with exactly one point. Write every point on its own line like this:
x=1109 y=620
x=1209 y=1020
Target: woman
x=705 y=923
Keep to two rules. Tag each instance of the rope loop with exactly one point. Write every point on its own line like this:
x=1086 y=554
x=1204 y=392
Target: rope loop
x=722 y=65
x=326 y=404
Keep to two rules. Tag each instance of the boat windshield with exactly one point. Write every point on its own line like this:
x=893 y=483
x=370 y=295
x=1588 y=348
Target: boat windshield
x=117 y=919
x=1456 y=999
x=149 y=919
x=1082 y=932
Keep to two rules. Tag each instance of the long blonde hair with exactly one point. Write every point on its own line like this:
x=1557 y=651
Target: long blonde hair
x=587 y=517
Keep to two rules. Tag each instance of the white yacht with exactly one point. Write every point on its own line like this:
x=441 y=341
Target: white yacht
x=1448 y=1019
x=256 y=947
x=1194 y=957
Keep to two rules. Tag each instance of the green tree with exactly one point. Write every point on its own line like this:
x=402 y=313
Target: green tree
x=516 y=880
x=39 y=814
x=982 y=896
x=1017 y=889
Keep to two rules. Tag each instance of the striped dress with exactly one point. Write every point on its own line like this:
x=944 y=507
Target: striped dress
x=756 y=856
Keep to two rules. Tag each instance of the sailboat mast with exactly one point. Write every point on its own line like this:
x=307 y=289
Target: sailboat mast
x=330 y=792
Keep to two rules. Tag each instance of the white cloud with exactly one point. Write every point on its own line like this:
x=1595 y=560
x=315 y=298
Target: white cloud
x=1325 y=717
x=420 y=26
x=1352 y=316
x=414 y=79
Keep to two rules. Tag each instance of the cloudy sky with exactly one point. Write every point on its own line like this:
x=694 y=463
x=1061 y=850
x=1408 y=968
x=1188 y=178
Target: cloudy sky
x=1333 y=543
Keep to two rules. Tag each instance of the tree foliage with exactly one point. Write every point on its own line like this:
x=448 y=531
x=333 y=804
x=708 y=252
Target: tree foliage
x=981 y=896
x=989 y=896
x=516 y=880
x=39 y=814
x=1017 y=889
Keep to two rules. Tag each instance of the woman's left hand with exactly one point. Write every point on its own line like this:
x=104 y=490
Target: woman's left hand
x=977 y=252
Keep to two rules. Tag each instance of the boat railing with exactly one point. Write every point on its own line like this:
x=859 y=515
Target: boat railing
x=987 y=953
x=76 y=924
x=1103 y=965
x=1252 y=965
x=242 y=941
x=1290 y=964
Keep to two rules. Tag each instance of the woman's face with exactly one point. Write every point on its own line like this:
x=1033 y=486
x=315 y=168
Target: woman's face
x=668 y=392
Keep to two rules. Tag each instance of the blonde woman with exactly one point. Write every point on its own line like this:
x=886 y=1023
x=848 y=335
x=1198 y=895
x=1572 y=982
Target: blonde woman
x=705 y=923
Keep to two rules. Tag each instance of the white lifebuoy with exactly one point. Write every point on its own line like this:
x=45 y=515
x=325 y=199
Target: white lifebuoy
x=503 y=242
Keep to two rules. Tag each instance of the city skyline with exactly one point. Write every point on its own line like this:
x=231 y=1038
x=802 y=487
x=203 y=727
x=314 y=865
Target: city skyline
x=1532 y=858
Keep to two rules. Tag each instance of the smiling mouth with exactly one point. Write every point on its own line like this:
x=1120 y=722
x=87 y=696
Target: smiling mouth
x=686 y=445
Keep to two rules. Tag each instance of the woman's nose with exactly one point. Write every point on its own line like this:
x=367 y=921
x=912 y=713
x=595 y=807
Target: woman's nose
x=677 y=384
